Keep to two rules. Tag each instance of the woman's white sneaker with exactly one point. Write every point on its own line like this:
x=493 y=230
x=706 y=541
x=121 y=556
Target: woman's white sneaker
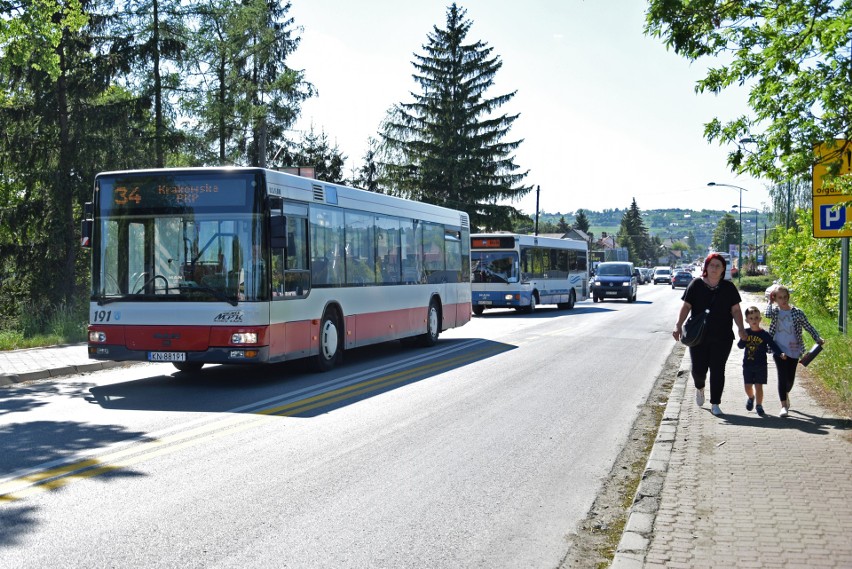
x=699 y=397
x=716 y=410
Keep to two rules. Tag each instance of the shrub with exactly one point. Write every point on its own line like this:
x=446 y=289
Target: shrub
x=754 y=284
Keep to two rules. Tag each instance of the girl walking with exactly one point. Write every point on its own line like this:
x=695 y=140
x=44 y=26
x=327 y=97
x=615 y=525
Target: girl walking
x=786 y=330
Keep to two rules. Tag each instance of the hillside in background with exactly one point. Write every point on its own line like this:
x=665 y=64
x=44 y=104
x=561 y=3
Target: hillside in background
x=675 y=224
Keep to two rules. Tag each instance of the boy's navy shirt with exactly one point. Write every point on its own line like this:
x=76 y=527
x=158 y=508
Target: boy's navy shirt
x=756 y=345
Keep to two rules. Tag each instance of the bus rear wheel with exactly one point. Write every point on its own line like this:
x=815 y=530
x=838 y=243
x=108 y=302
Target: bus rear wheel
x=330 y=349
x=433 y=325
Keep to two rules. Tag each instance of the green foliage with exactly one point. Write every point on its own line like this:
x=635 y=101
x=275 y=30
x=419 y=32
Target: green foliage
x=633 y=235
x=447 y=146
x=38 y=323
x=727 y=233
x=757 y=283
x=582 y=222
x=315 y=150
x=30 y=33
x=794 y=58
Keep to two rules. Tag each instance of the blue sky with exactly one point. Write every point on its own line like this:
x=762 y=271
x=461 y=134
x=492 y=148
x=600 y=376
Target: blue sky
x=607 y=114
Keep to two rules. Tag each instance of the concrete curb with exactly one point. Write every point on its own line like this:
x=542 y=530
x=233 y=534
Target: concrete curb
x=13 y=378
x=633 y=546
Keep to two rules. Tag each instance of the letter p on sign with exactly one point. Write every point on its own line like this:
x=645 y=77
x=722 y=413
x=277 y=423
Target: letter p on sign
x=831 y=220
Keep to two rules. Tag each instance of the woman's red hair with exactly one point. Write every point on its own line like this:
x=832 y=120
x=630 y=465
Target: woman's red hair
x=709 y=258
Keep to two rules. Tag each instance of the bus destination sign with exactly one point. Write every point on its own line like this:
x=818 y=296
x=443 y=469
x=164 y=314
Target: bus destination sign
x=492 y=242
x=180 y=192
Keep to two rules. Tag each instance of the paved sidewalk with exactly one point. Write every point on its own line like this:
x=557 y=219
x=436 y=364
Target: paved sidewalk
x=40 y=363
x=740 y=490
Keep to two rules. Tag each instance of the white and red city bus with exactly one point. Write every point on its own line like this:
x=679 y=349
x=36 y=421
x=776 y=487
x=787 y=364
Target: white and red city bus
x=249 y=265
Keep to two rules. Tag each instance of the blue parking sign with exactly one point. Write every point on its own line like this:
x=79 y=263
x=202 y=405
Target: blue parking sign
x=831 y=220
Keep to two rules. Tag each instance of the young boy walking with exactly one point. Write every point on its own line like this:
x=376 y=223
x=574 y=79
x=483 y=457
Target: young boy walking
x=756 y=345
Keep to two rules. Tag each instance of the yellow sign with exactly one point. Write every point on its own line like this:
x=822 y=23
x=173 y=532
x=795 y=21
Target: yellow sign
x=834 y=160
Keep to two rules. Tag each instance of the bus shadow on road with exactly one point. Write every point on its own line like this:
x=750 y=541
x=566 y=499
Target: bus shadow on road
x=292 y=389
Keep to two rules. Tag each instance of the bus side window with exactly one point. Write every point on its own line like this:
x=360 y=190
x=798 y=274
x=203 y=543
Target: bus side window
x=290 y=274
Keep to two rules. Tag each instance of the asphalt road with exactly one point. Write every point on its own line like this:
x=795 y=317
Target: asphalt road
x=484 y=451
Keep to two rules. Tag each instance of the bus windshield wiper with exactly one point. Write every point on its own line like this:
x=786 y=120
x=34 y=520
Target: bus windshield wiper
x=103 y=299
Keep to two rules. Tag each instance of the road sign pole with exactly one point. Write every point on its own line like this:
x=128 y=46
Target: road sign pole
x=844 y=286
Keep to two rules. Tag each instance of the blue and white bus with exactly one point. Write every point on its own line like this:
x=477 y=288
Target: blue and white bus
x=523 y=271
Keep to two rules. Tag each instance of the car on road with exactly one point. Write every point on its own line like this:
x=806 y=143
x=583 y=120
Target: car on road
x=662 y=275
x=681 y=278
x=648 y=273
x=614 y=279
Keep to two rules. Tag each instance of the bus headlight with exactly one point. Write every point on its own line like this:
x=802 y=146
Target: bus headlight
x=97 y=337
x=244 y=338
x=509 y=297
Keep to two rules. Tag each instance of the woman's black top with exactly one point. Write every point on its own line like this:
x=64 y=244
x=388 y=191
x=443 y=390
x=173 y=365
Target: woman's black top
x=720 y=321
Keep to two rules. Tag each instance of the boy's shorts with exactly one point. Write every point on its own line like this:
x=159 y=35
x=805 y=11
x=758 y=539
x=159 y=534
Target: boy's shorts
x=755 y=375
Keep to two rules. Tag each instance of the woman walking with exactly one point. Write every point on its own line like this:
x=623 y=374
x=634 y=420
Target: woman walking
x=723 y=299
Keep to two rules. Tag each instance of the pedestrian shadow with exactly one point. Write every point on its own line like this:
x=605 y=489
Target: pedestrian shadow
x=796 y=420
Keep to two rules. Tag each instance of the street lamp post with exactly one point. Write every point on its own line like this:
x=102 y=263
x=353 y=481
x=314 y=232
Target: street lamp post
x=740 y=251
x=756 y=214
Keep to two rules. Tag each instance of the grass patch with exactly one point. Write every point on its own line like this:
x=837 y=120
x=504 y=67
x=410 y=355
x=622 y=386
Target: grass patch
x=15 y=340
x=833 y=368
x=39 y=326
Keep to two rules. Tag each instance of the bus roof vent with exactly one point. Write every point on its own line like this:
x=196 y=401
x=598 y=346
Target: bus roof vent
x=319 y=194
x=465 y=222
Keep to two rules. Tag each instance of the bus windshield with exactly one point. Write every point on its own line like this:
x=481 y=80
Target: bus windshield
x=178 y=238
x=494 y=267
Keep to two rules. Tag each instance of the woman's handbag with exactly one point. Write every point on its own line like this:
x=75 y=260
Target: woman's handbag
x=693 y=329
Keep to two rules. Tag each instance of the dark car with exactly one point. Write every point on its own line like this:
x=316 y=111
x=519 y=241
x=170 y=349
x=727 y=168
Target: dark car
x=681 y=278
x=614 y=279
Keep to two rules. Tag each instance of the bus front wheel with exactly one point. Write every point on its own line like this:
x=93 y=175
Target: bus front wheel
x=188 y=367
x=567 y=305
x=478 y=310
x=531 y=308
x=329 y=343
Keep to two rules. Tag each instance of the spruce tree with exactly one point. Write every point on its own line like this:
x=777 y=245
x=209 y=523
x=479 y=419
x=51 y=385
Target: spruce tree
x=634 y=235
x=447 y=147
x=581 y=221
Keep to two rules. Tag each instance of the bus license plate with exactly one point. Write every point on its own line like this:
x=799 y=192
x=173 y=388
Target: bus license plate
x=485 y=302
x=611 y=292
x=166 y=356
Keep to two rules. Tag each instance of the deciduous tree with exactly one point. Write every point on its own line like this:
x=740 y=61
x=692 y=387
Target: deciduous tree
x=792 y=56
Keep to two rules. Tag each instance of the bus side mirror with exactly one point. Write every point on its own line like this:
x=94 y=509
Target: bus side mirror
x=278 y=232
x=86 y=226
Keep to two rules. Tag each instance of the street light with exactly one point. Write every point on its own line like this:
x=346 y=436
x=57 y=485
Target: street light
x=740 y=251
x=756 y=214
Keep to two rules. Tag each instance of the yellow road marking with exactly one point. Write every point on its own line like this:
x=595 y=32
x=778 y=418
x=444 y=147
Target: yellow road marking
x=53 y=478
